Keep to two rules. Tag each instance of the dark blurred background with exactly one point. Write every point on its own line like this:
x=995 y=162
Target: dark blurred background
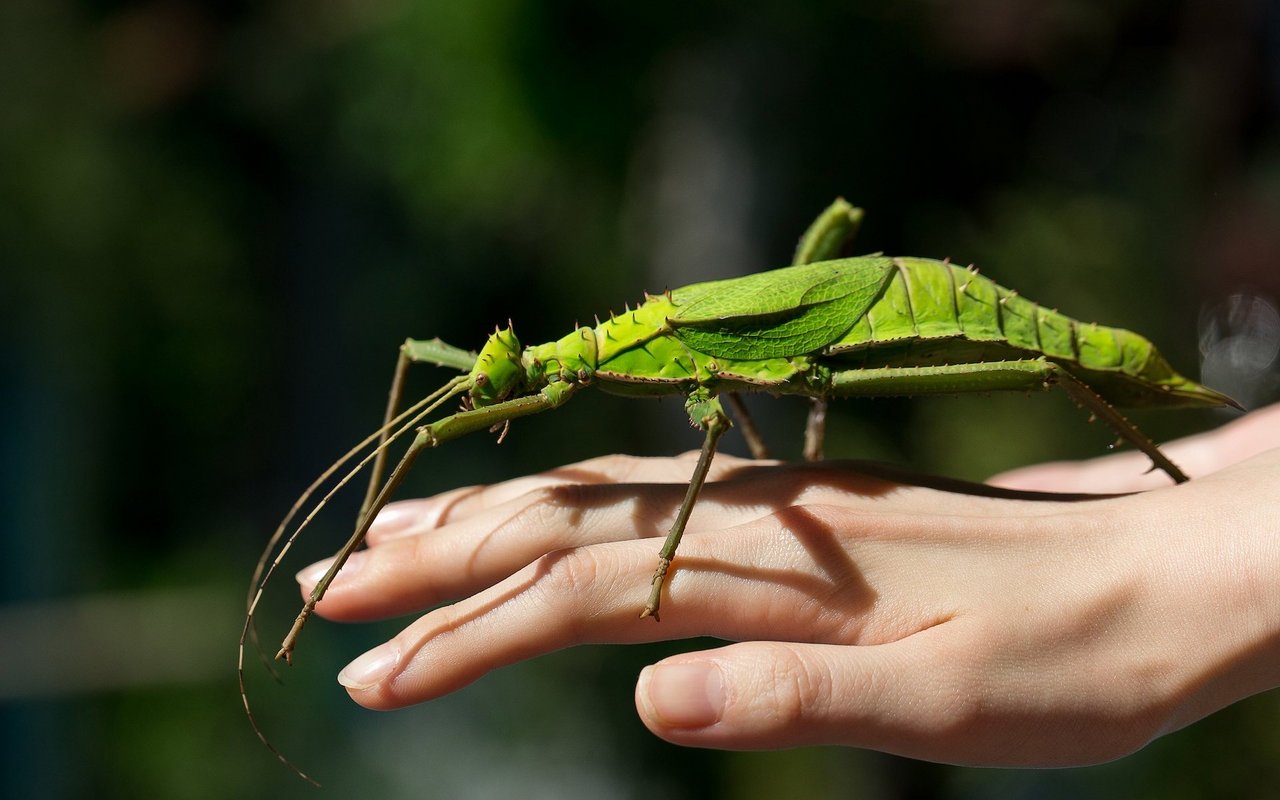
x=218 y=220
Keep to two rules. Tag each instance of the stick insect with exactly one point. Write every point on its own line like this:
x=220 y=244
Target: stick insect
x=825 y=327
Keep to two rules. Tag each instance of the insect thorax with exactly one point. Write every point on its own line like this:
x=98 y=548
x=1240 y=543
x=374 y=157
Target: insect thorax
x=498 y=372
x=571 y=358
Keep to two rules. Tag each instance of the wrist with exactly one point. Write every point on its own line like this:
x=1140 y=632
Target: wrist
x=1215 y=549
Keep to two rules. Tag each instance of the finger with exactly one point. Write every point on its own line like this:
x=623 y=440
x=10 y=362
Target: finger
x=1117 y=473
x=424 y=567
x=733 y=481
x=408 y=517
x=562 y=599
x=753 y=580
x=933 y=695
x=772 y=695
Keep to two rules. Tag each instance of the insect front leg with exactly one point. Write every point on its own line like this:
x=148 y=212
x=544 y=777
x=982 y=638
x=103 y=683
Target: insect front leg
x=552 y=396
x=705 y=412
x=413 y=351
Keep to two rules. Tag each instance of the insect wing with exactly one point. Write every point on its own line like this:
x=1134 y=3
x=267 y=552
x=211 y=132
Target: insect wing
x=785 y=312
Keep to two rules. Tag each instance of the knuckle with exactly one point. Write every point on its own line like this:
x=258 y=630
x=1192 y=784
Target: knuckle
x=798 y=688
x=547 y=510
x=544 y=504
x=618 y=464
x=615 y=466
x=568 y=574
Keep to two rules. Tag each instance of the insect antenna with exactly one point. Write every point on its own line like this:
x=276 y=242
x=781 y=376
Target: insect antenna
x=417 y=412
x=414 y=415
x=310 y=490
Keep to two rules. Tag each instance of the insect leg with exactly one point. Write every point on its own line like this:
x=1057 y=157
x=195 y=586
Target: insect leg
x=1036 y=373
x=431 y=435
x=706 y=413
x=755 y=442
x=1088 y=398
x=815 y=429
x=829 y=234
x=428 y=351
x=985 y=376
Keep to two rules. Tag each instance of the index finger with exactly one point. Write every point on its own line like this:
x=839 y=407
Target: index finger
x=407 y=517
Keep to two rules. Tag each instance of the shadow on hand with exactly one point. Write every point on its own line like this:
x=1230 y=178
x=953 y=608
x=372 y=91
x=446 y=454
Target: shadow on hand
x=776 y=490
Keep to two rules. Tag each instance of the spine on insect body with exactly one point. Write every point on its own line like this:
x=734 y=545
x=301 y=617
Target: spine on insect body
x=932 y=312
x=578 y=355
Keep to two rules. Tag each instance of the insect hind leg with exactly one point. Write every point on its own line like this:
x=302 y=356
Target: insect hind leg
x=989 y=376
x=1088 y=398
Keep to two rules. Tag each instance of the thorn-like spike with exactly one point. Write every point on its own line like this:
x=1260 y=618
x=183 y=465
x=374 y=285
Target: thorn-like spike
x=946 y=261
x=597 y=316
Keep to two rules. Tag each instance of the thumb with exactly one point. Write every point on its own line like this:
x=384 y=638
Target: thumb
x=895 y=697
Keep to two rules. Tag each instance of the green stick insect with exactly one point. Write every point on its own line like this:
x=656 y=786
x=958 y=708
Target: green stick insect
x=854 y=327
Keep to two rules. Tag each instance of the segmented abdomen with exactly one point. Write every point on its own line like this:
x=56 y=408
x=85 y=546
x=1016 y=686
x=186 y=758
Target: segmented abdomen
x=934 y=313
x=927 y=299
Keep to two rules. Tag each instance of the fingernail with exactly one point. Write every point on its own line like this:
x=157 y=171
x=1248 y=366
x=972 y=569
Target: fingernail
x=371 y=668
x=308 y=577
x=688 y=695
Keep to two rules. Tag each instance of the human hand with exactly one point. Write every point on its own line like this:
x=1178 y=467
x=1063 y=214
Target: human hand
x=968 y=626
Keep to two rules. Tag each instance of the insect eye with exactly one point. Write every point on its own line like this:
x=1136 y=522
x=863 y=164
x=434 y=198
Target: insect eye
x=482 y=380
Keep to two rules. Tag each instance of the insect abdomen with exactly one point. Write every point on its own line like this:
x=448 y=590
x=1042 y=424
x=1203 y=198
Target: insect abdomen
x=933 y=313
x=929 y=300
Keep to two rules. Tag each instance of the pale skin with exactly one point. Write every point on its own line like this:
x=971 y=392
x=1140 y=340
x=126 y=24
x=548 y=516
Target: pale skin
x=935 y=620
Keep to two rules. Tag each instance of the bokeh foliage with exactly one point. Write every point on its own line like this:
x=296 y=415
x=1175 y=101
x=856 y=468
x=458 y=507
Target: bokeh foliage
x=219 y=219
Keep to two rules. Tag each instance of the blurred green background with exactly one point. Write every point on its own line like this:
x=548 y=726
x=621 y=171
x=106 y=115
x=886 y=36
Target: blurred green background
x=218 y=220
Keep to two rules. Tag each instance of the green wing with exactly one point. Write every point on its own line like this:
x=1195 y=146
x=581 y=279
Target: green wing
x=784 y=312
